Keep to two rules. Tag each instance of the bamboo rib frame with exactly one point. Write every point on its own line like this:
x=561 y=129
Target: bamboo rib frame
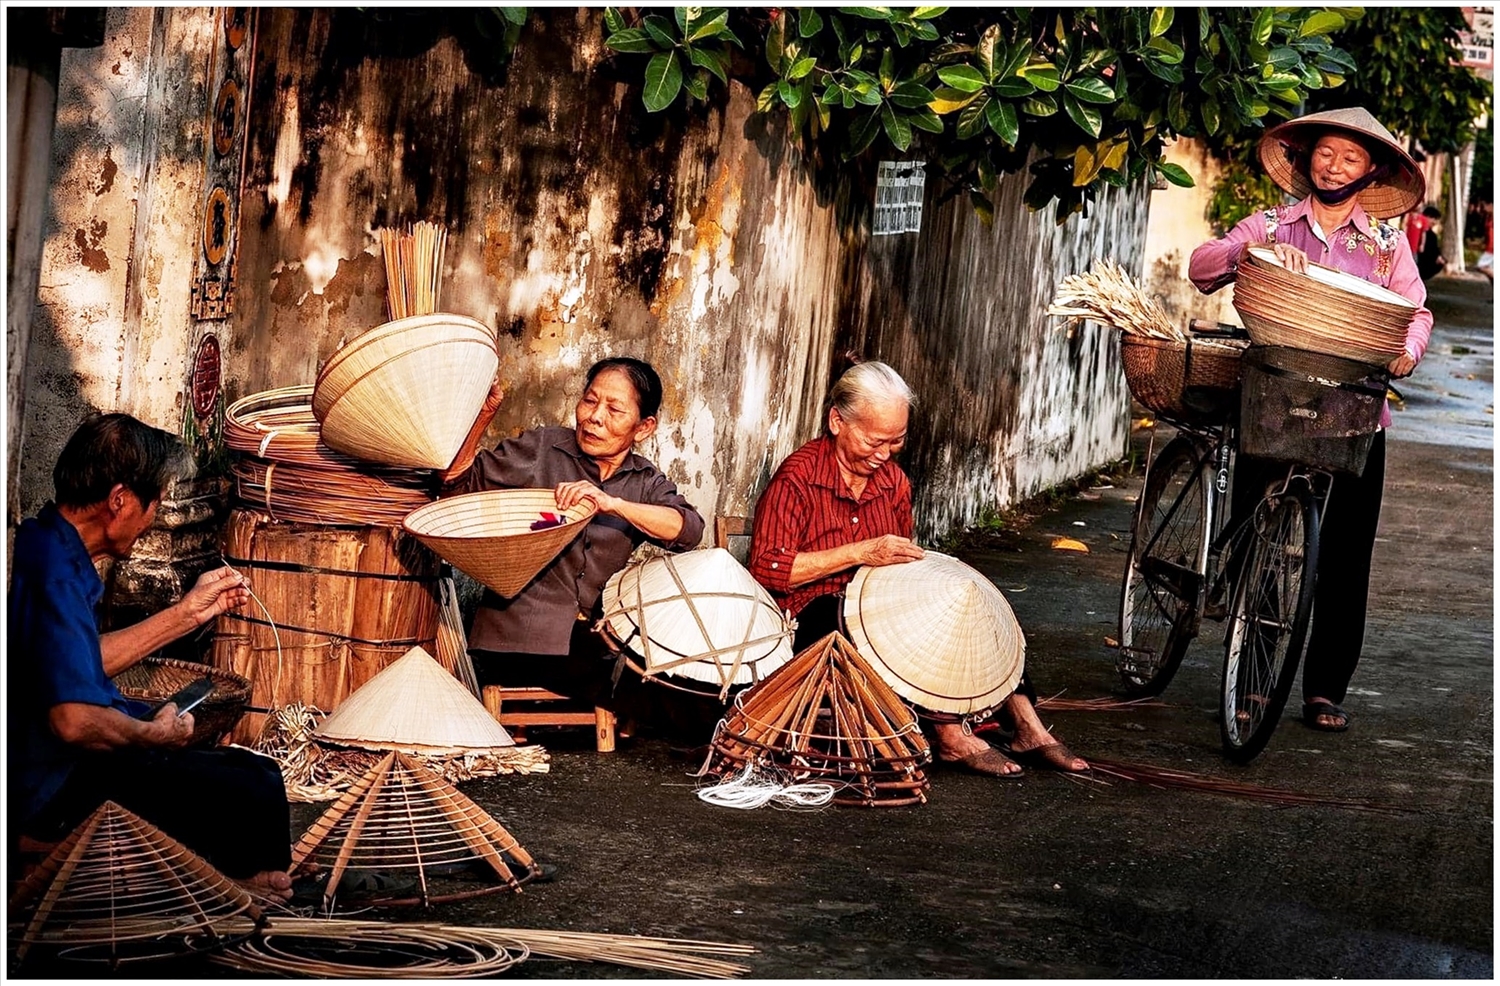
x=120 y=889
x=827 y=715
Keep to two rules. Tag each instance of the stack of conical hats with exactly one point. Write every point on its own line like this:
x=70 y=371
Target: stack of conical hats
x=698 y=615
x=496 y=535
x=415 y=706
x=938 y=632
x=402 y=816
x=826 y=715
x=120 y=889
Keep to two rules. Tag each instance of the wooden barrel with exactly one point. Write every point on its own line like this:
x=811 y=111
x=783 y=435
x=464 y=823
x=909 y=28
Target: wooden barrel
x=340 y=603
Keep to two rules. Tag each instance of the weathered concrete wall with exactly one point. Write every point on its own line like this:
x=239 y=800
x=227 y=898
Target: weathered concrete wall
x=1179 y=223
x=700 y=240
x=110 y=330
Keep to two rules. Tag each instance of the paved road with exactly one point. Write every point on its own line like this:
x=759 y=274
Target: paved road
x=1049 y=876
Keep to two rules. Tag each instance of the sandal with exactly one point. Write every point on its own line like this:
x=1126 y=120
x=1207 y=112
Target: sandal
x=1053 y=756
x=989 y=762
x=1312 y=710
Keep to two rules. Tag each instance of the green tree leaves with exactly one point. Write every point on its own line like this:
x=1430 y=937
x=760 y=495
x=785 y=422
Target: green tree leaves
x=696 y=37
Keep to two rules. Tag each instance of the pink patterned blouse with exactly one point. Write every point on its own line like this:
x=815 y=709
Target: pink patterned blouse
x=1361 y=246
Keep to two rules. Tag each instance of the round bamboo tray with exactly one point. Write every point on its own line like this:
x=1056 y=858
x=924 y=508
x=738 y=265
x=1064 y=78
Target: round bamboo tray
x=489 y=535
x=1324 y=311
x=156 y=679
x=407 y=392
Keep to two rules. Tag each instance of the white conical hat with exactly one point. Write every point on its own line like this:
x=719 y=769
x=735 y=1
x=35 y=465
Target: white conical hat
x=698 y=615
x=414 y=706
x=938 y=632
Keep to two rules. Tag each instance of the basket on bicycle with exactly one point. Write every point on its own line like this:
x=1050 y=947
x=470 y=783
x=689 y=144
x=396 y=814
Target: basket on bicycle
x=1322 y=311
x=1189 y=379
x=156 y=679
x=1318 y=410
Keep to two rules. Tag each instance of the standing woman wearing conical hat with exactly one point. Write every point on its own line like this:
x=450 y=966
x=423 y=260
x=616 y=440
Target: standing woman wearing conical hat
x=1348 y=173
x=544 y=636
x=840 y=502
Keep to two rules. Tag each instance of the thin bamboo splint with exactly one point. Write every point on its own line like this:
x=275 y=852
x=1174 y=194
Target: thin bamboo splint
x=402 y=816
x=827 y=715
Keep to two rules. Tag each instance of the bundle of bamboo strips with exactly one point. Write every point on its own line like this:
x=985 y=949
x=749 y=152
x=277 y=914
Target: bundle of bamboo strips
x=1107 y=294
x=1103 y=703
x=1182 y=780
x=413 y=269
x=668 y=956
x=826 y=714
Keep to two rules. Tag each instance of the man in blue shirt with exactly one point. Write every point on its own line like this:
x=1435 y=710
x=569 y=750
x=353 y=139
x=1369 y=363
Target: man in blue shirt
x=74 y=740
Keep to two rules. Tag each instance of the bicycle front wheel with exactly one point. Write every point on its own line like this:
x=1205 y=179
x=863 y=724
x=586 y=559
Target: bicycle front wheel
x=1159 y=599
x=1268 y=620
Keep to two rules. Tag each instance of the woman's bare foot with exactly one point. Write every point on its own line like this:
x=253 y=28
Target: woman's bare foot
x=273 y=885
x=1032 y=735
x=954 y=744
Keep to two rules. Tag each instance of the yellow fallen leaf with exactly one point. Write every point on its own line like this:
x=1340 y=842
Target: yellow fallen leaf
x=1111 y=642
x=1069 y=544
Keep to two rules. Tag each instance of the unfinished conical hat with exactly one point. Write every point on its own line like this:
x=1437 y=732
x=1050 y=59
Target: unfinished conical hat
x=698 y=615
x=1287 y=147
x=119 y=888
x=407 y=393
x=416 y=706
x=402 y=816
x=489 y=535
x=938 y=632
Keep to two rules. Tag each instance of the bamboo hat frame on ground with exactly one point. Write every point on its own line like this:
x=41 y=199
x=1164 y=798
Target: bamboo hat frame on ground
x=120 y=889
x=492 y=535
x=1323 y=311
x=406 y=393
x=938 y=632
x=698 y=615
x=414 y=706
x=826 y=715
x=402 y=816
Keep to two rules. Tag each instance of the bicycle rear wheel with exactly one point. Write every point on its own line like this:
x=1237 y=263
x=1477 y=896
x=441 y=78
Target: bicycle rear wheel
x=1268 y=620
x=1160 y=596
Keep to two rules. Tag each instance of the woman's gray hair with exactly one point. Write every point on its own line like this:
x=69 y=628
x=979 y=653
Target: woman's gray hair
x=869 y=383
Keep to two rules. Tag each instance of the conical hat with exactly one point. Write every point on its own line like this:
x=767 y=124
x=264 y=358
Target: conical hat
x=415 y=706
x=401 y=815
x=489 y=535
x=123 y=885
x=938 y=632
x=697 y=615
x=407 y=392
x=1285 y=148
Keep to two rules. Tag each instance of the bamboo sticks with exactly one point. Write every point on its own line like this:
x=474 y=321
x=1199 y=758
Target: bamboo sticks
x=413 y=268
x=1107 y=294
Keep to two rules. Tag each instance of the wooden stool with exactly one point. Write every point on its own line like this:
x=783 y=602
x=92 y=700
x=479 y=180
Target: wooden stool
x=497 y=697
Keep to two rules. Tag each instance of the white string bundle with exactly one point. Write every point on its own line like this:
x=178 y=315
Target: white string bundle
x=760 y=784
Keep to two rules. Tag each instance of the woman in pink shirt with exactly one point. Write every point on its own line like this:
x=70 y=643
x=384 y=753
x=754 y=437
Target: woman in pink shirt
x=1348 y=173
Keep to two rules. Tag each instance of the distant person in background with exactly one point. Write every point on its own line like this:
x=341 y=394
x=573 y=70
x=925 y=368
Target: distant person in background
x=1421 y=232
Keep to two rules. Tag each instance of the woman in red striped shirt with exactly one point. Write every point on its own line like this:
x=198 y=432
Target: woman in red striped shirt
x=839 y=502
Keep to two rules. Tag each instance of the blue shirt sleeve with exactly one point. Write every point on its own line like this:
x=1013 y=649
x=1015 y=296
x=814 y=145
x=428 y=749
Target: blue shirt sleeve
x=63 y=643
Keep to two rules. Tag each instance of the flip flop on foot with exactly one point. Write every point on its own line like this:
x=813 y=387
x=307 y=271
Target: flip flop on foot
x=1314 y=714
x=1053 y=756
x=988 y=762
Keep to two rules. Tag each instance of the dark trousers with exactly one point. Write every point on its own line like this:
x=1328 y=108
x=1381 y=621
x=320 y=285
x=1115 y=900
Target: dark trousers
x=825 y=614
x=228 y=806
x=1346 y=544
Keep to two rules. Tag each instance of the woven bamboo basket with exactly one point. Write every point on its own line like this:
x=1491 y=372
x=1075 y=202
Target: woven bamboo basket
x=1190 y=380
x=1324 y=311
x=279 y=425
x=489 y=535
x=939 y=633
x=407 y=392
x=333 y=606
x=156 y=679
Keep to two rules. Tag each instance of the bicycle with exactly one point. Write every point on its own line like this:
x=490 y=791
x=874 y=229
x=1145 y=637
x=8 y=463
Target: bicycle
x=1187 y=561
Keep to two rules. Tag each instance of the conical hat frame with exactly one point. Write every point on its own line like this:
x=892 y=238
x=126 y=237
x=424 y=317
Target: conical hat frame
x=973 y=704
x=117 y=878
x=350 y=724
x=827 y=715
x=428 y=822
x=627 y=623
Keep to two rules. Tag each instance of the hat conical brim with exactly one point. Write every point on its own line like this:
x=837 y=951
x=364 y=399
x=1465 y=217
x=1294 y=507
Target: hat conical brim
x=939 y=633
x=415 y=706
x=1284 y=145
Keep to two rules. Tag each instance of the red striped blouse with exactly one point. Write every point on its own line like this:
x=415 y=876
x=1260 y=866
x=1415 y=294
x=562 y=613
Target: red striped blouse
x=808 y=507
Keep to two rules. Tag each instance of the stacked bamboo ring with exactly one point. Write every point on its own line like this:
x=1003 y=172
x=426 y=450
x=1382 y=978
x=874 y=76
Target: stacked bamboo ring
x=285 y=469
